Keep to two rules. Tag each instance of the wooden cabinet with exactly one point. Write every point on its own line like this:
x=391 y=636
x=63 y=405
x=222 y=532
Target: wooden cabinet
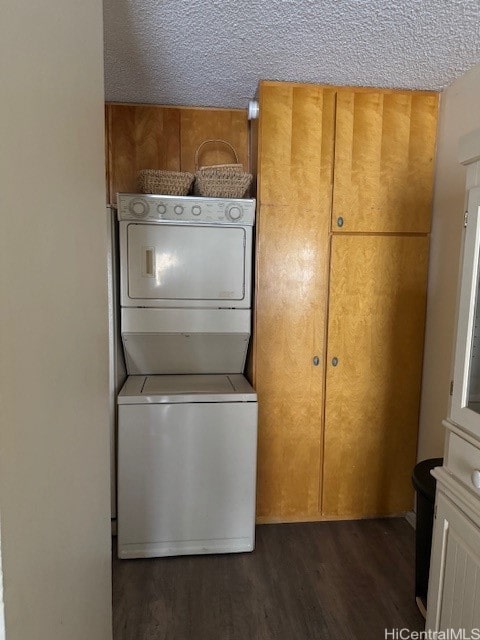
x=157 y=137
x=340 y=441
x=292 y=263
x=293 y=223
x=375 y=339
x=384 y=161
x=296 y=146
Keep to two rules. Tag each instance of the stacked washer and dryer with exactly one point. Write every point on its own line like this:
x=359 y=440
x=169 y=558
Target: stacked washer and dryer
x=187 y=418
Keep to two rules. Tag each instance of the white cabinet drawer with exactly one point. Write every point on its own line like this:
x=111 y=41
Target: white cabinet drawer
x=463 y=461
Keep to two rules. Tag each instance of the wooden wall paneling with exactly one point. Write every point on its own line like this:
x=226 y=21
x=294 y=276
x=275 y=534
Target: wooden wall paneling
x=376 y=330
x=384 y=161
x=107 y=153
x=253 y=156
x=292 y=259
x=197 y=125
x=141 y=137
x=295 y=156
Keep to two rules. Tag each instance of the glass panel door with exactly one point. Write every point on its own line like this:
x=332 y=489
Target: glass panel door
x=465 y=409
x=473 y=386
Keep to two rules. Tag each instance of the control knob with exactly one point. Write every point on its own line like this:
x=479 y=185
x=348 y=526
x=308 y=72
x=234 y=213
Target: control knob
x=476 y=478
x=139 y=208
x=234 y=212
x=178 y=209
x=196 y=210
x=161 y=208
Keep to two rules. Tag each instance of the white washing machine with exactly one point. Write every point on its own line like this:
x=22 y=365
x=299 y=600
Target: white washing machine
x=187 y=454
x=187 y=431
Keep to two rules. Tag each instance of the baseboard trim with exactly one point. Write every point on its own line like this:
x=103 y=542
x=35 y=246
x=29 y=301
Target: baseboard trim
x=411 y=518
x=325 y=518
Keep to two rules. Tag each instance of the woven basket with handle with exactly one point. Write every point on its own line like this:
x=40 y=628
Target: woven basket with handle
x=166 y=183
x=221 y=180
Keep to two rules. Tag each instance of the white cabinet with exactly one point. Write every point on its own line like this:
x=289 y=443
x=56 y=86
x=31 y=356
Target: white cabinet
x=454 y=585
x=456 y=542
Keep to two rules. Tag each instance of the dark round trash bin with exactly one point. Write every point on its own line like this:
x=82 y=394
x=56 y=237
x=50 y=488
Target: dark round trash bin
x=424 y=484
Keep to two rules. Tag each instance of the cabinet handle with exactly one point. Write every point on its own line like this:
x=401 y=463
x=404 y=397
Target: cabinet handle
x=476 y=478
x=316 y=361
x=150 y=262
x=340 y=221
x=334 y=362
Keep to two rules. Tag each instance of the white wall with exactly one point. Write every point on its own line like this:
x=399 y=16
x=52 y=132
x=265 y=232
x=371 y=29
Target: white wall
x=2 y=616
x=54 y=441
x=459 y=114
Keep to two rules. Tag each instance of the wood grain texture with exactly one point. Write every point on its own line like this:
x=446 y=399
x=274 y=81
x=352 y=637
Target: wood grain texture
x=140 y=137
x=349 y=88
x=295 y=159
x=376 y=330
x=328 y=581
x=158 y=137
x=292 y=270
x=107 y=154
x=384 y=161
x=198 y=125
x=375 y=149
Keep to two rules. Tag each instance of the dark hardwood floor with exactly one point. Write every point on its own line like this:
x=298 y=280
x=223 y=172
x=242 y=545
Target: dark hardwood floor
x=321 y=581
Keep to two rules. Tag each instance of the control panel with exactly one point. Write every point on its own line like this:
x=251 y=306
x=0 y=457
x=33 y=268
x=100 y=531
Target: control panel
x=154 y=208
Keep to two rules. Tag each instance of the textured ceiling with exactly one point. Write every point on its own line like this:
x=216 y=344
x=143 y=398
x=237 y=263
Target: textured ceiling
x=214 y=52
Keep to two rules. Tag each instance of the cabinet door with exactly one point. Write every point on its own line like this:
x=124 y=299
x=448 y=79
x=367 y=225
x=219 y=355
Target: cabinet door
x=384 y=154
x=375 y=331
x=295 y=145
x=295 y=173
x=454 y=584
x=291 y=299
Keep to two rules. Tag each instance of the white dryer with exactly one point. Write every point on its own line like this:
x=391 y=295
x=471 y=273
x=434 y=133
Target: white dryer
x=185 y=279
x=187 y=433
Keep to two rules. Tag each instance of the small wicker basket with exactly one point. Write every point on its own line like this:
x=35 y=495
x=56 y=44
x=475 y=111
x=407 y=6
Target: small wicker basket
x=166 y=183
x=221 y=180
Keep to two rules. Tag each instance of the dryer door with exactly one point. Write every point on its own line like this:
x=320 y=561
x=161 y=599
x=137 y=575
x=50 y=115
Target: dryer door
x=171 y=265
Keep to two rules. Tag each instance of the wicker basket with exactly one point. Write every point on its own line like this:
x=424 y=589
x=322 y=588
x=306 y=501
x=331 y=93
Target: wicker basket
x=166 y=183
x=221 y=180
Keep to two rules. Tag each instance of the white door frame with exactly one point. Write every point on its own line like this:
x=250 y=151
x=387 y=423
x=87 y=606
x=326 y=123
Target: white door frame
x=2 y=608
